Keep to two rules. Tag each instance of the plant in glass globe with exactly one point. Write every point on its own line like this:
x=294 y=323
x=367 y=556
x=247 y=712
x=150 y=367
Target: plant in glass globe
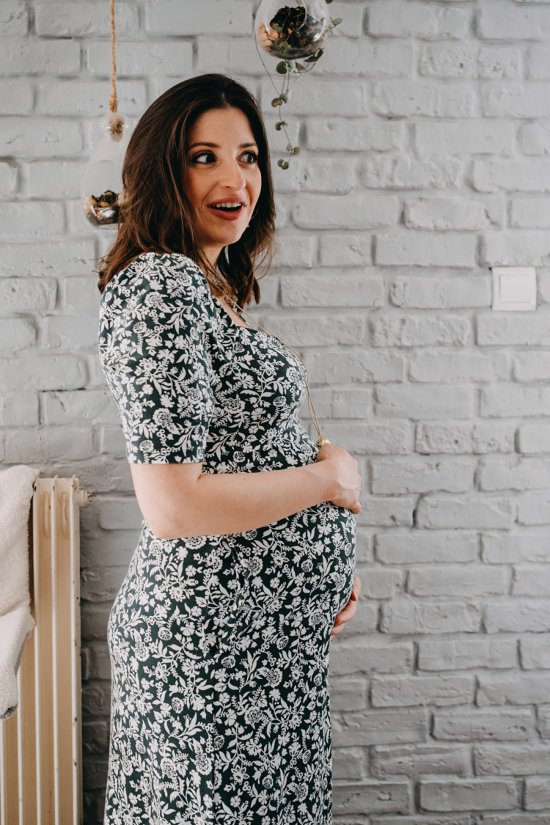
x=294 y=32
x=101 y=186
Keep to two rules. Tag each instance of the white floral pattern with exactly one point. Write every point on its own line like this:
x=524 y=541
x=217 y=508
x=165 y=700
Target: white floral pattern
x=219 y=644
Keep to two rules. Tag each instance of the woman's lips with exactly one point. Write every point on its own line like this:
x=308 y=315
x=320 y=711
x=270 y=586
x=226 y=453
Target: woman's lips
x=226 y=215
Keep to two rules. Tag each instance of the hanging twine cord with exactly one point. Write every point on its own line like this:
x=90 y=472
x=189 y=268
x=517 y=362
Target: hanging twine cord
x=113 y=100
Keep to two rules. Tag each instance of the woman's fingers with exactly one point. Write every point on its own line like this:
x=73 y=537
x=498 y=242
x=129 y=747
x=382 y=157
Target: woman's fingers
x=348 y=611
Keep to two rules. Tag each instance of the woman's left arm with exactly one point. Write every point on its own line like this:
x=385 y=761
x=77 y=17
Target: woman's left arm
x=348 y=611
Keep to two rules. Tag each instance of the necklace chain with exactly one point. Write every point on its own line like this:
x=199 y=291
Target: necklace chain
x=235 y=306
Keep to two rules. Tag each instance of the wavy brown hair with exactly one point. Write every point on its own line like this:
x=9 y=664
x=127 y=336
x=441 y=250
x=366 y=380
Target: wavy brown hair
x=157 y=216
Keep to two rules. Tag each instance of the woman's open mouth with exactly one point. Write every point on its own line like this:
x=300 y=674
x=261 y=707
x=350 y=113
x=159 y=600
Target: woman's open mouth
x=227 y=212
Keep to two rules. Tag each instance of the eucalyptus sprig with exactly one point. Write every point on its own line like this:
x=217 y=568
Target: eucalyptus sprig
x=291 y=69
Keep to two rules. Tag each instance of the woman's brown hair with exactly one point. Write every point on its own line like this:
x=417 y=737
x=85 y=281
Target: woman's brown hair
x=156 y=215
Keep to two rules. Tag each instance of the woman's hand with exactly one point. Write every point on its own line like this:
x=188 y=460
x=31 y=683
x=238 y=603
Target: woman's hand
x=348 y=611
x=343 y=471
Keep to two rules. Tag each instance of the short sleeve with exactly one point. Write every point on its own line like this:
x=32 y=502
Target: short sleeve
x=154 y=320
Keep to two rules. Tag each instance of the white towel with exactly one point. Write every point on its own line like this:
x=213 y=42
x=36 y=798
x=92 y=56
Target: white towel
x=16 y=621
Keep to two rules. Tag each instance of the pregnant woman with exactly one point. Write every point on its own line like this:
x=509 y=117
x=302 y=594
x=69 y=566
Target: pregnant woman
x=219 y=635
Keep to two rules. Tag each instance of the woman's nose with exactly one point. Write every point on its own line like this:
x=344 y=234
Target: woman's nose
x=232 y=175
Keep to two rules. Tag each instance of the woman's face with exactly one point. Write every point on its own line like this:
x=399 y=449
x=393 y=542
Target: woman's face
x=222 y=167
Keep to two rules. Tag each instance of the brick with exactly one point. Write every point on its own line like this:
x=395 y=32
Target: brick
x=364 y=58
x=514 y=100
x=388 y=511
x=516 y=819
x=511 y=175
x=73 y=256
x=295 y=250
x=101 y=585
x=356 y=211
x=394 y=18
x=201 y=17
x=320 y=97
x=422 y=820
x=19 y=409
x=372 y=438
x=425 y=249
x=512 y=760
x=465 y=437
x=80 y=19
x=518 y=616
x=465 y=654
x=458 y=580
x=344 y=249
x=416 y=760
x=54 y=178
x=517 y=24
x=119 y=514
x=407 y=98
x=514 y=248
x=142 y=59
x=76 y=97
x=377 y=797
x=534 y=138
x=514 y=473
x=485 y=512
x=70 y=332
x=62 y=444
x=470 y=61
x=543 y=721
x=534 y=508
x=537 y=793
x=353 y=655
x=417 y=330
x=452 y=213
x=526 y=546
x=42 y=372
x=438 y=291
x=25 y=220
x=389 y=172
x=16 y=334
x=532 y=366
x=529 y=213
x=514 y=400
x=535 y=652
x=310 y=331
x=406 y=616
x=21 y=57
x=14 y=19
x=534 y=438
x=380 y=727
x=16 y=97
x=348 y=694
x=538 y=62
x=357 y=135
x=318 y=290
x=421 y=475
x=423 y=402
x=475 y=137
x=8 y=179
x=363 y=366
x=492 y=725
x=335 y=176
x=19 y=294
x=425 y=547
x=467 y=795
x=49 y=137
x=441 y=366
x=381 y=583
x=387 y=691
x=349 y=764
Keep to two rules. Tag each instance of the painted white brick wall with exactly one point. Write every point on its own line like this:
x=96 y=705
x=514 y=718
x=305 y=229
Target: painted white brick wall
x=425 y=134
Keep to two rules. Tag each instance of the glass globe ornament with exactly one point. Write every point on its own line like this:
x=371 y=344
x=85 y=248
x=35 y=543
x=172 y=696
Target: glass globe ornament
x=101 y=186
x=292 y=30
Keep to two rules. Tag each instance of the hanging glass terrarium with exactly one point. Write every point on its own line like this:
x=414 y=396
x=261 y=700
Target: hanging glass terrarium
x=101 y=188
x=292 y=30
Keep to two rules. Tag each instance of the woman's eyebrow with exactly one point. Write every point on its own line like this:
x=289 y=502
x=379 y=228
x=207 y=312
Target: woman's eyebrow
x=215 y=145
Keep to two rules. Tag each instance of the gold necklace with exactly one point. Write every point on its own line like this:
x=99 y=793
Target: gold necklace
x=321 y=439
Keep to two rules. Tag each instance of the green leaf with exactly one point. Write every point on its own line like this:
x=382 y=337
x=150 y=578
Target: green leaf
x=336 y=21
x=281 y=67
x=279 y=125
x=283 y=97
x=328 y=2
x=300 y=67
x=284 y=164
x=277 y=101
x=295 y=150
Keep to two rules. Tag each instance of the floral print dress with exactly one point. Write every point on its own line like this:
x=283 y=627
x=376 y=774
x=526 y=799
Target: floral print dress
x=219 y=644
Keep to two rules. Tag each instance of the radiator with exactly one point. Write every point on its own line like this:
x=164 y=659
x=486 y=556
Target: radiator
x=41 y=744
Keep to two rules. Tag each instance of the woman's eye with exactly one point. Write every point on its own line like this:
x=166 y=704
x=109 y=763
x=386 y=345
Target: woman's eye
x=209 y=154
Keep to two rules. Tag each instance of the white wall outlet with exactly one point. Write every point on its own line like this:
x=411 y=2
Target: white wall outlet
x=514 y=288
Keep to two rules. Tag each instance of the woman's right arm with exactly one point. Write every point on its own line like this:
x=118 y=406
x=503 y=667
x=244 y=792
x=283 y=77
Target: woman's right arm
x=176 y=501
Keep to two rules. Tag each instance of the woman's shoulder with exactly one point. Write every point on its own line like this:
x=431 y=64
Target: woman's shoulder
x=172 y=274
